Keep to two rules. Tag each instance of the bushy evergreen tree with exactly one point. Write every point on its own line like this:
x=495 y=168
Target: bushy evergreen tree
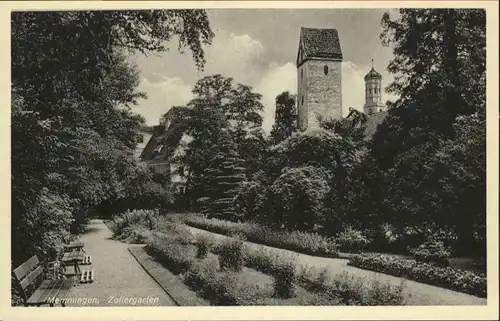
x=223 y=177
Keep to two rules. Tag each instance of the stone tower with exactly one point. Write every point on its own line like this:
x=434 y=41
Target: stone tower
x=319 y=78
x=373 y=92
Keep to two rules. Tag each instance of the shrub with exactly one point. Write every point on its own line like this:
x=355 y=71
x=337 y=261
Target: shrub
x=458 y=280
x=221 y=288
x=204 y=243
x=203 y=278
x=351 y=241
x=145 y=218
x=432 y=252
x=284 y=277
x=175 y=256
x=177 y=232
x=134 y=234
x=385 y=294
x=349 y=289
x=299 y=196
x=231 y=254
x=301 y=298
x=260 y=259
x=247 y=197
x=302 y=242
x=281 y=267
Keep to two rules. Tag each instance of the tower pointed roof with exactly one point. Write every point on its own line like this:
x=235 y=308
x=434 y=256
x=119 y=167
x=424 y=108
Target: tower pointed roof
x=373 y=74
x=319 y=43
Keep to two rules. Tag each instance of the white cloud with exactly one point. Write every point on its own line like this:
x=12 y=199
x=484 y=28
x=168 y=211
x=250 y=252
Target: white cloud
x=234 y=56
x=162 y=95
x=241 y=57
x=230 y=55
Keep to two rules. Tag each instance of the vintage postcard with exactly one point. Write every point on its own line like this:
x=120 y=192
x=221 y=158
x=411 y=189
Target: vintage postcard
x=251 y=160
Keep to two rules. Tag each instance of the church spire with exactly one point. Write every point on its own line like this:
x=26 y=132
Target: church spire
x=373 y=92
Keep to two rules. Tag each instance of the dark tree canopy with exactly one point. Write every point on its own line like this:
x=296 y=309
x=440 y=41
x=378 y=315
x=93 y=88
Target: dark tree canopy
x=285 y=121
x=73 y=135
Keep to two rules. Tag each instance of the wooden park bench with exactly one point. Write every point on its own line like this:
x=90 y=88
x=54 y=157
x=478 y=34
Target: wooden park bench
x=36 y=289
x=73 y=243
x=76 y=258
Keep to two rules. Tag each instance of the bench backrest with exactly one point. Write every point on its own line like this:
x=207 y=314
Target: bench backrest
x=28 y=273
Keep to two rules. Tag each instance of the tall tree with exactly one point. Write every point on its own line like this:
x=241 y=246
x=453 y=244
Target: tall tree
x=439 y=64
x=223 y=176
x=285 y=121
x=72 y=132
x=220 y=105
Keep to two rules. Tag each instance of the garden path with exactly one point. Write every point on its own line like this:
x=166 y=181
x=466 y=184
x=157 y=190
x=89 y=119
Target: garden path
x=415 y=293
x=117 y=274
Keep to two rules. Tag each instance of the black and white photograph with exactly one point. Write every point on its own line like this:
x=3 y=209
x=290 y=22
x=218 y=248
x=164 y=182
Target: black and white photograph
x=207 y=157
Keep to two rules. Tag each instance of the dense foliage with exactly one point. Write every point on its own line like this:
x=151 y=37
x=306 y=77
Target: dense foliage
x=285 y=120
x=427 y=158
x=224 y=123
x=418 y=185
x=432 y=252
x=226 y=276
x=462 y=281
x=73 y=135
x=421 y=177
x=299 y=196
x=303 y=242
x=222 y=178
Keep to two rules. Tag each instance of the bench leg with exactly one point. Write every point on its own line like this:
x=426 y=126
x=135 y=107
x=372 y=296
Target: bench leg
x=78 y=272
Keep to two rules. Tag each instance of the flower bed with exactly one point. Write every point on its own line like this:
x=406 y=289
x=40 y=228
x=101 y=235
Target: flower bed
x=462 y=281
x=265 y=279
x=351 y=290
x=307 y=243
x=343 y=289
x=177 y=256
x=227 y=288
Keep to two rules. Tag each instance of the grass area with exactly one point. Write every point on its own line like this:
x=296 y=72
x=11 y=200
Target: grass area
x=306 y=243
x=172 y=244
x=343 y=289
x=170 y=283
x=227 y=273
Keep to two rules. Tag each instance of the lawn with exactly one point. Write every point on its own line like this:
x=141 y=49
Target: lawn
x=225 y=272
x=314 y=281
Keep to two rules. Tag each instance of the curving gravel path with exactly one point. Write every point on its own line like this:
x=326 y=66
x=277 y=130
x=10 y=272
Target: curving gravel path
x=415 y=293
x=119 y=278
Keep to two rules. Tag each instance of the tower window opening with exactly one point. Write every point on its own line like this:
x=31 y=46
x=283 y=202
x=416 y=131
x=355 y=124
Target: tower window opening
x=301 y=74
x=325 y=69
x=302 y=100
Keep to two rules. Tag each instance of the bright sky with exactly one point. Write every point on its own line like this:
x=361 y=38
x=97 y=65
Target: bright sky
x=259 y=48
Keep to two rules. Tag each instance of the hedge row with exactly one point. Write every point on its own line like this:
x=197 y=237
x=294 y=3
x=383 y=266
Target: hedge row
x=203 y=275
x=446 y=277
x=344 y=289
x=307 y=243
